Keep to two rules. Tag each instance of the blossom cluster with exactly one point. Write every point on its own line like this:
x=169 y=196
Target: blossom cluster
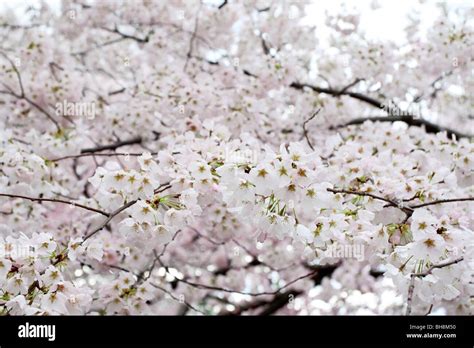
x=236 y=170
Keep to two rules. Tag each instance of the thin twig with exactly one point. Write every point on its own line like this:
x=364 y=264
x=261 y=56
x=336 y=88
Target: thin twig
x=305 y=131
x=211 y=287
x=441 y=201
x=53 y=200
x=162 y=187
x=23 y=95
x=406 y=210
x=193 y=37
x=111 y=216
x=126 y=36
x=17 y=73
x=345 y=89
x=180 y=300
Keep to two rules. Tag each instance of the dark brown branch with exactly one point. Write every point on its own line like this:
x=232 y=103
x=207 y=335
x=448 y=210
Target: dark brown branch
x=429 y=310
x=350 y=85
x=391 y=203
x=53 y=200
x=162 y=187
x=407 y=209
x=210 y=240
x=126 y=36
x=113 y=146
x=281 y=299
x=337 y=93
x=43 y=111
x=433 y=86
x=19 y=26
x=409 y=120
x=222 y=5
x=305 y=131
x=118 y=91
x=441 y=201
x=97 y=46
x=279 y=302
x=323 y=272
x=110 y=217
x=89 y=154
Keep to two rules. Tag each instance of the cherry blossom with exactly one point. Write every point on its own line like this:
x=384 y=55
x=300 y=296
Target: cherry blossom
x=191 y=158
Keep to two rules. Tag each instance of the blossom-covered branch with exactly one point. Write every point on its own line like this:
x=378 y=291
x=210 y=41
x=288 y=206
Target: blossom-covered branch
x=237 y=185
x=411 y=288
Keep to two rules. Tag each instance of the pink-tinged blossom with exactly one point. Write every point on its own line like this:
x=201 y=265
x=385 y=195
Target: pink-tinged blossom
x=152 y=166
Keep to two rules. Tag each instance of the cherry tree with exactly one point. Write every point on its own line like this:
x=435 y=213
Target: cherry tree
x=233 y=158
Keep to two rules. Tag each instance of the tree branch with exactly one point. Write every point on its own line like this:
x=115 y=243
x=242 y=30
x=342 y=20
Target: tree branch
x=53 y=200
x=305 y=131
x=113 y=146
x=89 y=154
x=337 y=93
x=279 y=301
x=407 y=209
x=441 y=201
x=126 y=36
x=193 y=37
x=392 y=203
x=180 y=300
x=110 y=217
x=17 y=73
x=23 y=95
x=409 y=120
x=282 y=299
x=439 y=265
x=222 y=4
x=411 y=287
x=211 y=287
